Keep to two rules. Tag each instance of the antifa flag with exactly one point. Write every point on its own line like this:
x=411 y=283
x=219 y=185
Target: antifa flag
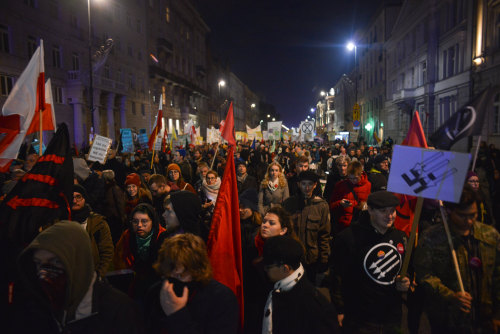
x=468 y=121
x=43 y=195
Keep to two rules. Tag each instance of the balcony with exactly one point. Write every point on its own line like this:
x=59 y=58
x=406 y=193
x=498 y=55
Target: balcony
x=408 y=94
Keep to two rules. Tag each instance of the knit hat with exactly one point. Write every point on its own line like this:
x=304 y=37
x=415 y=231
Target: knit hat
x=173 y=167
x=187 y=208
x=133 y=179
x=283 y=249
x=182 y=152
x=81 y=169
x=81 y=190
x=249 y=199
x=382 y=199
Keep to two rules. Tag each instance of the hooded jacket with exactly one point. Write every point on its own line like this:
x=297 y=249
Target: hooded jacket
x=90 y=305
x=346 y=190
x=187 y=207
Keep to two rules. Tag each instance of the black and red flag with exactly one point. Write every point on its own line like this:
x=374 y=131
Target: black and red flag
x=42 y=196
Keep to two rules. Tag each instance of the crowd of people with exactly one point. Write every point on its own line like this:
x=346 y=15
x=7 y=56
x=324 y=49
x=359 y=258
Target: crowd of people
x=323 y=244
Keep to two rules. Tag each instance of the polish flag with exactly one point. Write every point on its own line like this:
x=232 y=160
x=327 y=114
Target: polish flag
x=48 y=116
x=158 y=126
x=26 y=99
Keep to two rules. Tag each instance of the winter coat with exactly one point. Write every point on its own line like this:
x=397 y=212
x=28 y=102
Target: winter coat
x=344 y=190
x=101 y=241
x=312 y=226
x=268 y=198
x=303 y=309
x=436 y=274
x=211 y=309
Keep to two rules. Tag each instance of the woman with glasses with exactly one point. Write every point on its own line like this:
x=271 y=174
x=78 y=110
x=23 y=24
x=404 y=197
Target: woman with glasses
x=349 y=197
x=208 y=195
x=273 y=189
x=137 y=249
x=175 y=180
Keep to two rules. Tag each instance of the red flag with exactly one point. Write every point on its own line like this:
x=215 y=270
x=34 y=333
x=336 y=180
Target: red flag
x=415 y=136
x=224 y=239
x=26 y=98
x=157 y=128
x=228 y=129
x=406 y=210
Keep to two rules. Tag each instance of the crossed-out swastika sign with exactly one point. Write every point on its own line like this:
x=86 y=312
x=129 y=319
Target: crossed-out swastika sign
x=307 y=128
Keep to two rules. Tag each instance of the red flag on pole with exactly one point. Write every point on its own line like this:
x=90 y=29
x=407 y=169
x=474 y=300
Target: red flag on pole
x=157 y=128
x=224 y=239
x=406 y=210
x=228 y=129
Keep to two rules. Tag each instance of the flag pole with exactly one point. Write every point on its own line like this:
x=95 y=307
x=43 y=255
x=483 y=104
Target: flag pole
x=40 y=145
x=215 y=155
x=452 y=249
x=156 y=135
x=475 y=155
x=413 y=234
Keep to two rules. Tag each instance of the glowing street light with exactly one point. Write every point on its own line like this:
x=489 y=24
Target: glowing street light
x=274 y=119
x=322 y=93
x=221 y=83
x=312 y=109
x=252 y=105
x=351 y=46
x=268 y=116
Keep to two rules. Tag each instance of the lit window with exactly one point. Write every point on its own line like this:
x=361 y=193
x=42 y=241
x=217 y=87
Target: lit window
x=167 y=14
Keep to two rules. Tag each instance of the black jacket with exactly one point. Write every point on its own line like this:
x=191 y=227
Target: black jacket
x=303 y=309
x=212 y=308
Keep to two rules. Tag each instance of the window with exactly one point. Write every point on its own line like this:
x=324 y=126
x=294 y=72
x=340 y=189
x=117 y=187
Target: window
x=139 y=26
x=167 y=14
x=130 y=51
x=451 y=62
x=119 y=75
x=497 y=29
x=56 y=56
x=32 y=45
x=75 y=62
x=151 y=3
x=445 y=59
x=143 y=109
x=423 y=69
x=4 y=39
x=496 y=114
x=133 y=108
x=54 y=9
x=131 y=81
x=139 y=55
x=58 y=96
x=129 y=20
x=6 y=83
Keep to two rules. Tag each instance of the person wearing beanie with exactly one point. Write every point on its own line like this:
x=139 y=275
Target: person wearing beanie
x=136 y=193
x=293 y=305
x=138 y=247
x=176 y=180
x=63 y=292
x=184 y=166
x=379 y=173
x=96 y=227
x=243 y=179
x=367 y=258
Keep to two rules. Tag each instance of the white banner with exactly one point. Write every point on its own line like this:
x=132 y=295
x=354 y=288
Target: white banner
x=265 y=135
x=213 y=135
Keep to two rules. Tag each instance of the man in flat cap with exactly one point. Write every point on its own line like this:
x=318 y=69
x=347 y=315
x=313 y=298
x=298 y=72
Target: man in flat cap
x=367 y=259
x=294 y=305
x=311 y=221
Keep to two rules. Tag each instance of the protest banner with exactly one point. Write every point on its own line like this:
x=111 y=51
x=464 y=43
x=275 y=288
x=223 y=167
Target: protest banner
x=99 y=150
x=143 y=138
x=127 y=140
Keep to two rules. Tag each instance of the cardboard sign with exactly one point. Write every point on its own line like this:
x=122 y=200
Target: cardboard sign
x=99 y=150
x=428 y=173
x=127 y=141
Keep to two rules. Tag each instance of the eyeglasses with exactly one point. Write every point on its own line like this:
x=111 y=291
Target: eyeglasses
x=211 y=178
x=141 y=221
x=78 y=197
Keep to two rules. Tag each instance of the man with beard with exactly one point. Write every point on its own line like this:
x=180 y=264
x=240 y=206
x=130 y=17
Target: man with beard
x=244 y=180
x=96 y=227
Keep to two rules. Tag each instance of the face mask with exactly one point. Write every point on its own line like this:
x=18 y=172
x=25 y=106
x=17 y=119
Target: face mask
x=53 y=282
x=179 y=286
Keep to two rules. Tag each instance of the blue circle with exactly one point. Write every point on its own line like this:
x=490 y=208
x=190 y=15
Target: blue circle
x=356 y=123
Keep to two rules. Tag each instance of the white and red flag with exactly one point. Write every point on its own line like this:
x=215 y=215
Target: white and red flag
x=26 y=99
x=158 y=126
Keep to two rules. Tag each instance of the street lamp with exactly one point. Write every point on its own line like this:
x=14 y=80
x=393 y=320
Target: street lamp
x=252 y=105
x=221 y=83
x=322 y=93
x=268 y=116
x=274 y=119
x=351 y=46
x=312 y=110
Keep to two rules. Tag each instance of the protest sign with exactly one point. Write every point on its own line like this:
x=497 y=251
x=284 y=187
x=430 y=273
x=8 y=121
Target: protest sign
x=99 y=150
x=127 y=141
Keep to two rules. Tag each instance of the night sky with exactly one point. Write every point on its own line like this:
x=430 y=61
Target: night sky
x=287 y=51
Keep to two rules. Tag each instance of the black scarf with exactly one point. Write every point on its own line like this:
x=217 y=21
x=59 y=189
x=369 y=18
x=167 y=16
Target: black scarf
x=81 y=215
